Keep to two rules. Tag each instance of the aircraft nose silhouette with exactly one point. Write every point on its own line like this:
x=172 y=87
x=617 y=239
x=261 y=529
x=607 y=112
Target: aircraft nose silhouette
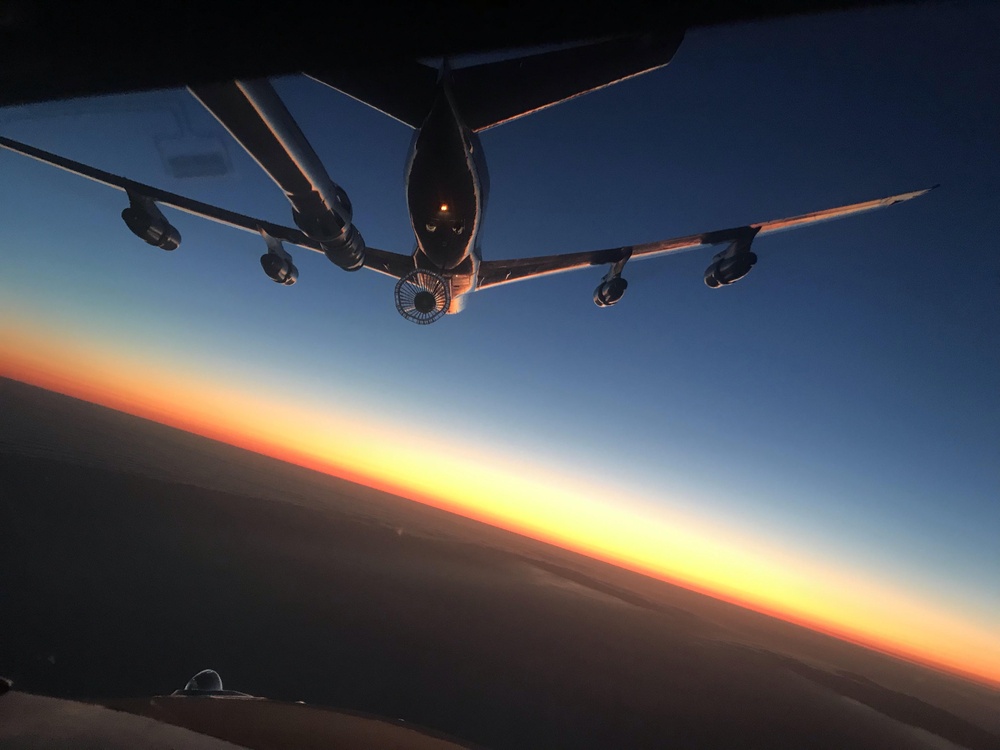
x=207 y=680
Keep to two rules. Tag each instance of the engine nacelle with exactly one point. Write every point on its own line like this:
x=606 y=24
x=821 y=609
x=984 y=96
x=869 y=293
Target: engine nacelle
x=726 y=271
x=348 y=250
x=610 y=292
x=279 y=270
x=148 y=224
x=341 y=241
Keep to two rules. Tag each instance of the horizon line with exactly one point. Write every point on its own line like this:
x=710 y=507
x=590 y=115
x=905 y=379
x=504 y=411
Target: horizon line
x=325 y=468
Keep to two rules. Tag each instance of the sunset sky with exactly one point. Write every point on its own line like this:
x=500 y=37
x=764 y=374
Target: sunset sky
x=821 y=440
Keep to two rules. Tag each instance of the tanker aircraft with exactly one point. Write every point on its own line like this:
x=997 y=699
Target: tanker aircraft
x=446 y=181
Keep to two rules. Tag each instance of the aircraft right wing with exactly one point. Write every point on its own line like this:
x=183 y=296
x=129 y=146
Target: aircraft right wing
x=493 y=93
x=497 y=272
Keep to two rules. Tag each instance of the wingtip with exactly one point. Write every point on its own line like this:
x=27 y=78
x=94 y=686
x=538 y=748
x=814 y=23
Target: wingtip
x=914 y=194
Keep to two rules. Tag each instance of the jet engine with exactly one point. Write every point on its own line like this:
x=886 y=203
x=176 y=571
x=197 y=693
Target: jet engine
x=277 y=262
x=726 y=271
x=148 y=223
x=331 y=226
x=278 y=269
x=610 y=292
x=346 y=250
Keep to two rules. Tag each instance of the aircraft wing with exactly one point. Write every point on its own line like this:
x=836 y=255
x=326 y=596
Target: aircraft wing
x=383 y=261
x=494 y=93
x=497 y=272
x=403 y=90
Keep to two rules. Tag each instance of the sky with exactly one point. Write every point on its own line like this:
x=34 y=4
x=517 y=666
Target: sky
x=820 y=441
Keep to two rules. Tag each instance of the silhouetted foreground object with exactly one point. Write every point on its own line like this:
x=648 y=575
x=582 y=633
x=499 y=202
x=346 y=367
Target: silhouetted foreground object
x=262 y=724
x=186 y=719
x=37 y=722
x=207 y=683
x=82 y=46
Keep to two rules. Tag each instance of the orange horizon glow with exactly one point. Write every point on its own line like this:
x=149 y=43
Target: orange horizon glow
x=531 y=501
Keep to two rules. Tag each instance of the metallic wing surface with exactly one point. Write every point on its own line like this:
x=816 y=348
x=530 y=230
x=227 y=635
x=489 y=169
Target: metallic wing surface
x=491 y=272
x=498 y=92
x=391 y=264
x=497 y=272
x=401 y=90
x=494 y=93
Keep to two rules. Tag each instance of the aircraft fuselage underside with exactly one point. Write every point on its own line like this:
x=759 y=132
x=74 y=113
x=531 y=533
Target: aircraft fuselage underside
x=446 y=193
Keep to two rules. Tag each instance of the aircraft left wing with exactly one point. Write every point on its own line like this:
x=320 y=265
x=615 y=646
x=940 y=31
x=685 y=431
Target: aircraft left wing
x=497 y=272
x=383 y=261
x=404 y=90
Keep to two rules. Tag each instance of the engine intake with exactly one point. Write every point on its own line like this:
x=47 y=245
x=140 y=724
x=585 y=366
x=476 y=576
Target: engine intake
x=727 y=271
x=610 y=292
x=146 y=222
x=278 y=269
